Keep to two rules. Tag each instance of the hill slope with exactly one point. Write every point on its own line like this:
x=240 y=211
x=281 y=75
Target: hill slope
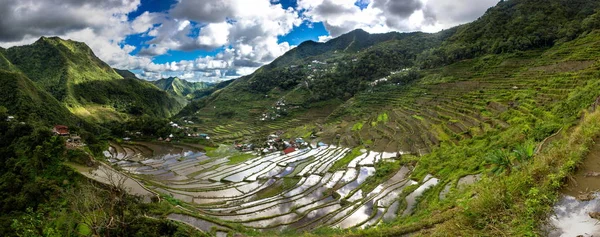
x=506 y=116
x=180 y=87
x=91 y=89
x=324 y=82
x=313 y=79
x=27 y=102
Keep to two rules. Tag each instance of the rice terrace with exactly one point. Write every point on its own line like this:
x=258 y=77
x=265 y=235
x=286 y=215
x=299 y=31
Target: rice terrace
x=300 y=118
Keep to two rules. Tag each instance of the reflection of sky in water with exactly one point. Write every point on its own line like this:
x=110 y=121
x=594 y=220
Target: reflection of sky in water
x=362 y=214
x=571 y=217
x=309 y=197
x=364 y=173
x=237 y=177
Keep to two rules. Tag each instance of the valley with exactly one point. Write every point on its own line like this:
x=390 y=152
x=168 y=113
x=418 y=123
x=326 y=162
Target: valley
x=487 y=128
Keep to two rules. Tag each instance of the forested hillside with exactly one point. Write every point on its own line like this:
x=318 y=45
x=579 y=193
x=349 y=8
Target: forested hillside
x=88 y=87
x=516 y=25
x=314 y=79
x=180 y=87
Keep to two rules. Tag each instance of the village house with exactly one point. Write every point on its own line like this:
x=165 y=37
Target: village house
x=10 y=118
x=74 y=139
x=289 y=150
x=61 y=130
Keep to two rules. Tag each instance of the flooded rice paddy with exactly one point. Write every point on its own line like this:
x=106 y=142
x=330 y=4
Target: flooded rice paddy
x=232 y=193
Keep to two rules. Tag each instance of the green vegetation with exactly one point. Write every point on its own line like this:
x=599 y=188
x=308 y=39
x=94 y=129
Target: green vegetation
x=236 y=159
x=516 y=25
x=88 y=87
x=343 y=163
x=475 y=99
x=180 y=87
x=221 y=151
x=384 y=170
x=279 y=187
x=27 y=102
x=357 y=126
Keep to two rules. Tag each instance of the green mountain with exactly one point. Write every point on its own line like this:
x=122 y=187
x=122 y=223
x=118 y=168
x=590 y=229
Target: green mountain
x=517 y=25
x=313 y=79
x=88 y=87
x=511 y=97
x=27 y=102
x=349 y=79
x=180 y=87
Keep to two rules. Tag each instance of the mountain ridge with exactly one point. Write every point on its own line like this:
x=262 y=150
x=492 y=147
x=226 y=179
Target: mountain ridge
x=333 y=73
x=87 y=86
x=180 y=87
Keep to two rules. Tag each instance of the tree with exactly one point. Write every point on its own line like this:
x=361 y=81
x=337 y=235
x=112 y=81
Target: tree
x=106 y=209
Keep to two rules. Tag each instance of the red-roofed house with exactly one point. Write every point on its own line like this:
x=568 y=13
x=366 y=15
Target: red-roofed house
x=289 y=150
x=61 y=130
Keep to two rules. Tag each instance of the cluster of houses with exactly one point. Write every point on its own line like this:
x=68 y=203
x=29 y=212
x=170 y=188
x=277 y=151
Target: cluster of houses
x=72 y=140
x=187 y=131
x=195 y=135
x=275 y=143
x=175 y=125
x=386 y=79
x=184 y=131
x=280 y=109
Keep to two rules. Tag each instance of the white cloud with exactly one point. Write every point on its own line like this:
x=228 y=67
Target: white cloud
x=248 y=31
x=214 y=35
x=324 y=38
x=342 y=16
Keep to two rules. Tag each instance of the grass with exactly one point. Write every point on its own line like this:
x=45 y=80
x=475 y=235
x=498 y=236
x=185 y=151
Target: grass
x=283 y=184
x=384 y=170
x=418 y=117
x=236 y=159
x=221 y=151
x=512 y=203
x=343 y=163
x=527 y=194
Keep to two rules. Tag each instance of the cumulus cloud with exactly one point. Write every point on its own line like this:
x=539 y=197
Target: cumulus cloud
x=245 y=33
x=250 y=37
x=203 y=11
x=451 y=13
x=22 y=18
x=377 y=16
x=214 y=35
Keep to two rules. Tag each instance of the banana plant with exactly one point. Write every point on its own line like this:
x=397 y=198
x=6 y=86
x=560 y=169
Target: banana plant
x=524 y=152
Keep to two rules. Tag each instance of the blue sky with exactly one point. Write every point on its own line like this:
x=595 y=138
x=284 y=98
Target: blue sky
x=212 y=40
x=305 y=31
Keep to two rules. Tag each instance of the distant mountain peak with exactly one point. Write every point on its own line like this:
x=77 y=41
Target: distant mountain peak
x=178 y=86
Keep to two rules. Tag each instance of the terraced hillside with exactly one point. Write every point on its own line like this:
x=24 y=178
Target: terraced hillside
x=457 y=103
x=411 y=91
x=299 y=191
x=425 y=142
x=452 y=122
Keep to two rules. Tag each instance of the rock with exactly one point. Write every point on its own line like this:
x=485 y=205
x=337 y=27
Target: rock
x=594 y=215
x=592 y=174
x=585 y=197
